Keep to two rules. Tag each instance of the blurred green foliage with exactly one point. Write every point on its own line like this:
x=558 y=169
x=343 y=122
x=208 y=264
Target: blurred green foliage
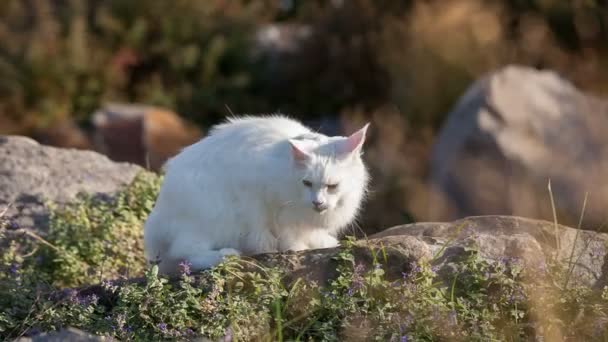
x=62 y=58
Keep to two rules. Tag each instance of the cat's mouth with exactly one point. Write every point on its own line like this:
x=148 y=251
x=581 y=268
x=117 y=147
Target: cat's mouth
x=320 y=210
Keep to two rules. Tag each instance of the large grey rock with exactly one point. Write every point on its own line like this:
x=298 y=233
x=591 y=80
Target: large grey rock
x=512 y=132
x=31 y=173
x=535 y=243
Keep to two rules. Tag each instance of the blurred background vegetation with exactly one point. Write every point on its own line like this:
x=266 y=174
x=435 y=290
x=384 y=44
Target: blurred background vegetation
x=400 y=63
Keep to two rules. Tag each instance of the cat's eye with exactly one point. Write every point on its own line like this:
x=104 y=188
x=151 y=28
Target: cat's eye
x=332 y=187
x=307 y=183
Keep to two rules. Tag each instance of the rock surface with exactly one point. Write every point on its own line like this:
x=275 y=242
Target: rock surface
x=65 y=335
x=534 y=243
x=31 y=173
x=511 y=133
x=531 y=243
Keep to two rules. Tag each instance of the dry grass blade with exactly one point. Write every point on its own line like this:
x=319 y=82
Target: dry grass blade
x=557 y=242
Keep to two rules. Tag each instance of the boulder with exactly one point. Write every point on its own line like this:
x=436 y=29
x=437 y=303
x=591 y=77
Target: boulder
x=140 y=134
x=536 y=244
x=31 y=174
x=510 y=134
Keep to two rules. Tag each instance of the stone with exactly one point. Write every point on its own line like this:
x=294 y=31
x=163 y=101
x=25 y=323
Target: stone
x=534 y=243
x=31 y=174
x=141 y=134
x=65 y=335
x=511 y=133
x=319 y=265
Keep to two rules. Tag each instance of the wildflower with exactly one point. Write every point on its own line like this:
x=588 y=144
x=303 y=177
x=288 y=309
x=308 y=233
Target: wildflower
x=91 y=300
x=71 y=295
x=162 y=327
x=357 y=281
x=109 y=286
x=121 y=319
x=228 y=335
x=415 y=268
x=14 y=268
x=404 y=338
x=33 y=331
x=184 y=267
x=13 y=225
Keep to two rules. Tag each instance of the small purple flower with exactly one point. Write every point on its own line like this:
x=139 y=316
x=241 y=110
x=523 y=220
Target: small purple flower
x=404 y=338
x=228 y=335
x=92 y=299
x=162 y=327
x=14 y=268
x=188 y=332
x=328 y=294
x=83 y=300
x=33 y=331
x=13 y=225
x=72 y=296
x=184 y=267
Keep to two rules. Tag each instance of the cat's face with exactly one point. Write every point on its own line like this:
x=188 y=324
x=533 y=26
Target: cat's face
x=328 y=170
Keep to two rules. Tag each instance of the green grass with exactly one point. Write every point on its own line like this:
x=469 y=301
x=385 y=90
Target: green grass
x=45 y=285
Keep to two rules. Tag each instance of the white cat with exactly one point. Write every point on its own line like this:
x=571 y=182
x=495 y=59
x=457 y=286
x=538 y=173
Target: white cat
x=254 y=185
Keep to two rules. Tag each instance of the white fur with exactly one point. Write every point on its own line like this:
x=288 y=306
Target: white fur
x=240 y=190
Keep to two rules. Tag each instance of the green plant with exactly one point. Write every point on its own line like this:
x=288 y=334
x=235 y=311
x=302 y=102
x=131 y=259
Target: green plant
x=55 y=280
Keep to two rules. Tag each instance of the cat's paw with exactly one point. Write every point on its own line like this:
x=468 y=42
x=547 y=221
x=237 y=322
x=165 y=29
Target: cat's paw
x=323 y=240
x=295 y=247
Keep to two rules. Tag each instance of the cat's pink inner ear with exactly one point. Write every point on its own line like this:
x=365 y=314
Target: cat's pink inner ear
x=355 y=141
x=299 y=152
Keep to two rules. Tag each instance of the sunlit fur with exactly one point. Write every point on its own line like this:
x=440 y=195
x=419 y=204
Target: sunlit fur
x=241 y=190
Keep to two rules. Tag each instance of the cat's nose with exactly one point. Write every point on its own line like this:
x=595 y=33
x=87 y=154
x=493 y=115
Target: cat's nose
x=319 y=206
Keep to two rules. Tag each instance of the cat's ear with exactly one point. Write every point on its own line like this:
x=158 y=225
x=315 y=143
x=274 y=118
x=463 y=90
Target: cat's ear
x=354 y=143
x=299 y=152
